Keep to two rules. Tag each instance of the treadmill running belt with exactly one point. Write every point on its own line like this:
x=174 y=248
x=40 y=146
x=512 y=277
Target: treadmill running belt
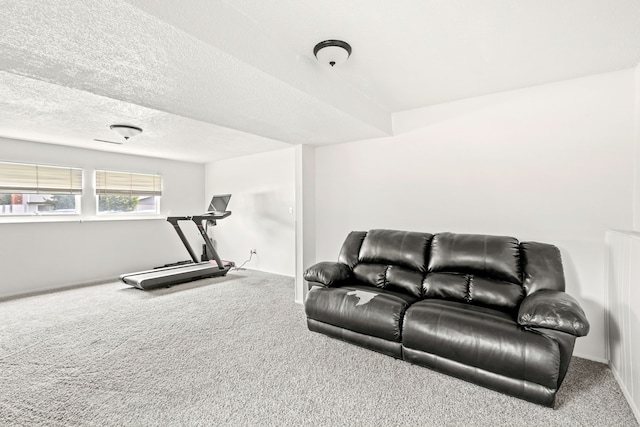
x=167 y=276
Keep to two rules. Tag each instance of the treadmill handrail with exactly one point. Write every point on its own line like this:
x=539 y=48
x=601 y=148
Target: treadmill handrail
x=197 y=220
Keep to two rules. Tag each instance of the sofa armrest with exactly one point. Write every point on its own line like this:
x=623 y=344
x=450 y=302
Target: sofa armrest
x=553 y=310
x=327 y=273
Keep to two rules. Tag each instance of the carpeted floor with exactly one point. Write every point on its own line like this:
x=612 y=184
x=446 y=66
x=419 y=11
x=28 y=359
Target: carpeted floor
x=236 y=351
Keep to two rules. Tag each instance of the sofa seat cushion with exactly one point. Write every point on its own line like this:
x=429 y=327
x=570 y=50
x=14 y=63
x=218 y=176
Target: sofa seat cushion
x=482 y=338
x=362 y=309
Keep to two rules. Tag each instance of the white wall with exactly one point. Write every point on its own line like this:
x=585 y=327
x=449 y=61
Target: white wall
x=551 y=163
x=636 y=190
x=41 y=254
x=262 y=202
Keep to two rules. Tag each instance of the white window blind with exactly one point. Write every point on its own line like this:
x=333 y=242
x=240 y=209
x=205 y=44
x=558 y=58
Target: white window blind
x=134 y=184
x=30 y=178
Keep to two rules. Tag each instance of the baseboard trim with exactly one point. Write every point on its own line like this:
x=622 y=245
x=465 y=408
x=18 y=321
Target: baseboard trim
x=593 y=359
x=49 y=289
x=626 y=393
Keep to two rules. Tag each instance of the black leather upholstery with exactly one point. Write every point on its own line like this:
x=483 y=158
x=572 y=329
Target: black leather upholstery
x=542 y=267
x=488 y=309
x=371 y=274
x=481 y=338
x=351 y=248
x=532 y=392
x=390 y=348
x=473 y=289
x=360 y=309
x=493 y=257
x=553 y=310
x=401 y=248
x=327 y=273
x=404 y=280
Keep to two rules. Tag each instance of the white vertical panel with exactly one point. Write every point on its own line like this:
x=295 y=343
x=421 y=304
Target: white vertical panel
x=633 y=321
x=613 y=276
x=623 y=312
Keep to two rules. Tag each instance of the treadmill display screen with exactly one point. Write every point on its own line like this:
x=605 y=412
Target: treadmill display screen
x=219 y=203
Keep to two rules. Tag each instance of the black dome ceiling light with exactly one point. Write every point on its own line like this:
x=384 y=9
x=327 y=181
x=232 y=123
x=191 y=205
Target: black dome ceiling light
x=332 y=52
x=126 y=131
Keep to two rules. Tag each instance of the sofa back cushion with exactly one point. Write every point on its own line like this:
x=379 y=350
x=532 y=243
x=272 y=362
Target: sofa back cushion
x=371 y=274
x=495 y=257
x=474 y=290
x=478 y=269
x=390 y=277
x=394 y=260
x=391 y=247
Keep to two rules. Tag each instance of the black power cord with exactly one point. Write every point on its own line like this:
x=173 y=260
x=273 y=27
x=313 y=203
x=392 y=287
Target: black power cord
x=243 y=264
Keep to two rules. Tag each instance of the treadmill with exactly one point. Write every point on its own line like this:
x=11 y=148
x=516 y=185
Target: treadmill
x=185 y=272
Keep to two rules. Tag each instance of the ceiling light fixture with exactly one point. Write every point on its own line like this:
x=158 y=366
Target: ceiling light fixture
x=332 y=52
x=126 y=131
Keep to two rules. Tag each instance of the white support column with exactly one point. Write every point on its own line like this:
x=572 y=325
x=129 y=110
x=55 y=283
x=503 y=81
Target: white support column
x=305 y=215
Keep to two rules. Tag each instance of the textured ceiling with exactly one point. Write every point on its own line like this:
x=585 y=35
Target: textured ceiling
x=212 y=79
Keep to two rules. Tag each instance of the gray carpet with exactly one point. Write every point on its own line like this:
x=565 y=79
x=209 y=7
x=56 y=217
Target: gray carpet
x=236 y=351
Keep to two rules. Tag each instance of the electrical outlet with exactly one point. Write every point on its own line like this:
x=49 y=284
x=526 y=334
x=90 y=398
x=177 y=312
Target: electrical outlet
x=253 y=251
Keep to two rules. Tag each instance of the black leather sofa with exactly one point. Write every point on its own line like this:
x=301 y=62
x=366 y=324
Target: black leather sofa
x=487 y=309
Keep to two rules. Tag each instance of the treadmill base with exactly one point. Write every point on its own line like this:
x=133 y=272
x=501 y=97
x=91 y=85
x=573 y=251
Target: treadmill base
x=169 y=276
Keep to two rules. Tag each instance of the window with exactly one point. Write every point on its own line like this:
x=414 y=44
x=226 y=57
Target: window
x=29 y=189
x=126 y=192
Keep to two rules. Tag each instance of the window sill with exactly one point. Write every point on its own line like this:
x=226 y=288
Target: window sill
x=76 y=218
